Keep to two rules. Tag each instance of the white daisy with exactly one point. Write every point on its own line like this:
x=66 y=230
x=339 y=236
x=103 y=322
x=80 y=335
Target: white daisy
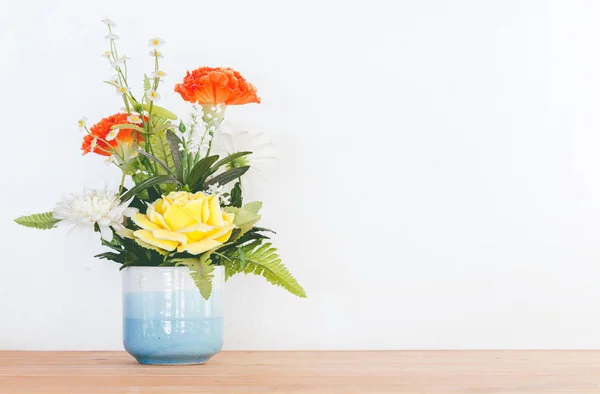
x=156 y=53
x=134 y=118
x=152 y=95
x=108 y=22
x=112 y=134
x=112 y=36
x=156 y=42
x=101 y=207
x=120 y=61
x=123 y=90
x=82 y=122
x=107 y=54
x=232 y=138
x=159 y=74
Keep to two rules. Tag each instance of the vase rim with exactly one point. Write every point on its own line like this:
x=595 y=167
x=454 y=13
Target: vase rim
x=149 y=267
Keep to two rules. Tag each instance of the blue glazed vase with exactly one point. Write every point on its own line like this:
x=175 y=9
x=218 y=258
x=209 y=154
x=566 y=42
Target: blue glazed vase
x=166 y=320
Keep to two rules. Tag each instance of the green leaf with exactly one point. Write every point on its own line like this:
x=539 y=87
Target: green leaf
x=199 y=173
x=147 y=84
x=228 y=159
x=201 y=272
x=245 y=217
x=147 y=183
x=160 y=150
x=161 y=127
x=160 y=111
x=227 y=176
x=116 y=257
x=158 y=161
x=41 y=221
x=263 y=260
x=242 y=257
x=236 y=195
x=137 y=179
x=181 y=127
x=173 y=141
x=128 y=126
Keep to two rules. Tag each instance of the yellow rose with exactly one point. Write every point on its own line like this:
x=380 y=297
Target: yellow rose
x=188 y=222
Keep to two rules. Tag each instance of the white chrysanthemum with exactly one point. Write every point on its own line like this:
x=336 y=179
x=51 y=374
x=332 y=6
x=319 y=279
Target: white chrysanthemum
x=156 y=53
x=101 y=207
x=233 y=138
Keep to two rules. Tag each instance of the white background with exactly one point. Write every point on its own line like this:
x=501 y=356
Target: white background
x=438 y=182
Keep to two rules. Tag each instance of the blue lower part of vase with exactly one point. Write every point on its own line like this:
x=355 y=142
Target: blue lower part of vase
x=170 y=331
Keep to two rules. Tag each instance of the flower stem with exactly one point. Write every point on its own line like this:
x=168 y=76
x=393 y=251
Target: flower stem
x=213 y=116
x=122 y=183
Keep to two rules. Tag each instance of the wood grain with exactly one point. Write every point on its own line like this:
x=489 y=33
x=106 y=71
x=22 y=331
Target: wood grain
x=431 y=372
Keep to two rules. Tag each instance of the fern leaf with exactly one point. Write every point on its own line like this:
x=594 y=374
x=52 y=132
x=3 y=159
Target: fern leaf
x=264 y=260
x=202 y=274
x=147 y=85
x=42 y=221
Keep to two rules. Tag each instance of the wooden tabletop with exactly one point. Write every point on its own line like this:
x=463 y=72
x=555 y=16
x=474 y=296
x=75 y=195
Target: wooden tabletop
x=430 y=372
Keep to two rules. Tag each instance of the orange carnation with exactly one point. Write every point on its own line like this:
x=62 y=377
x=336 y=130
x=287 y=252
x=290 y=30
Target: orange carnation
x=216 y=85
x=98 y=142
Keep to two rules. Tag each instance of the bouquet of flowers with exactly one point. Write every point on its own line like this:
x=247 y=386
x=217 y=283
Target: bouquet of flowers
x=185 y=203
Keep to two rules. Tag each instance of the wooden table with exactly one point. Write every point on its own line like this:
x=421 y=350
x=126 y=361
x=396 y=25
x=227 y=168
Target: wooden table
x=431 y=372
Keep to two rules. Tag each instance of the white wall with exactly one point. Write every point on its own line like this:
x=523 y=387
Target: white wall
x=438 y=182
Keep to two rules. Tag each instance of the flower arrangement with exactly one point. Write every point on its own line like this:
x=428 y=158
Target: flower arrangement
x=185 y=203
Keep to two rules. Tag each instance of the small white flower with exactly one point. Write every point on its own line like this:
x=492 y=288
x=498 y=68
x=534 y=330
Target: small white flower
x=159 y=74
x=156 y=42
x=225 y=200
x=134 y=118
x=107 y=54
x=152 y=95
x=112 y=134
x=156 y=53
x=108 y=22
x=112 y=36
x=181 y=147
x=120 y=61
x=215 y=188
x=95 y=207
x=82 y=122
x=123 y=90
